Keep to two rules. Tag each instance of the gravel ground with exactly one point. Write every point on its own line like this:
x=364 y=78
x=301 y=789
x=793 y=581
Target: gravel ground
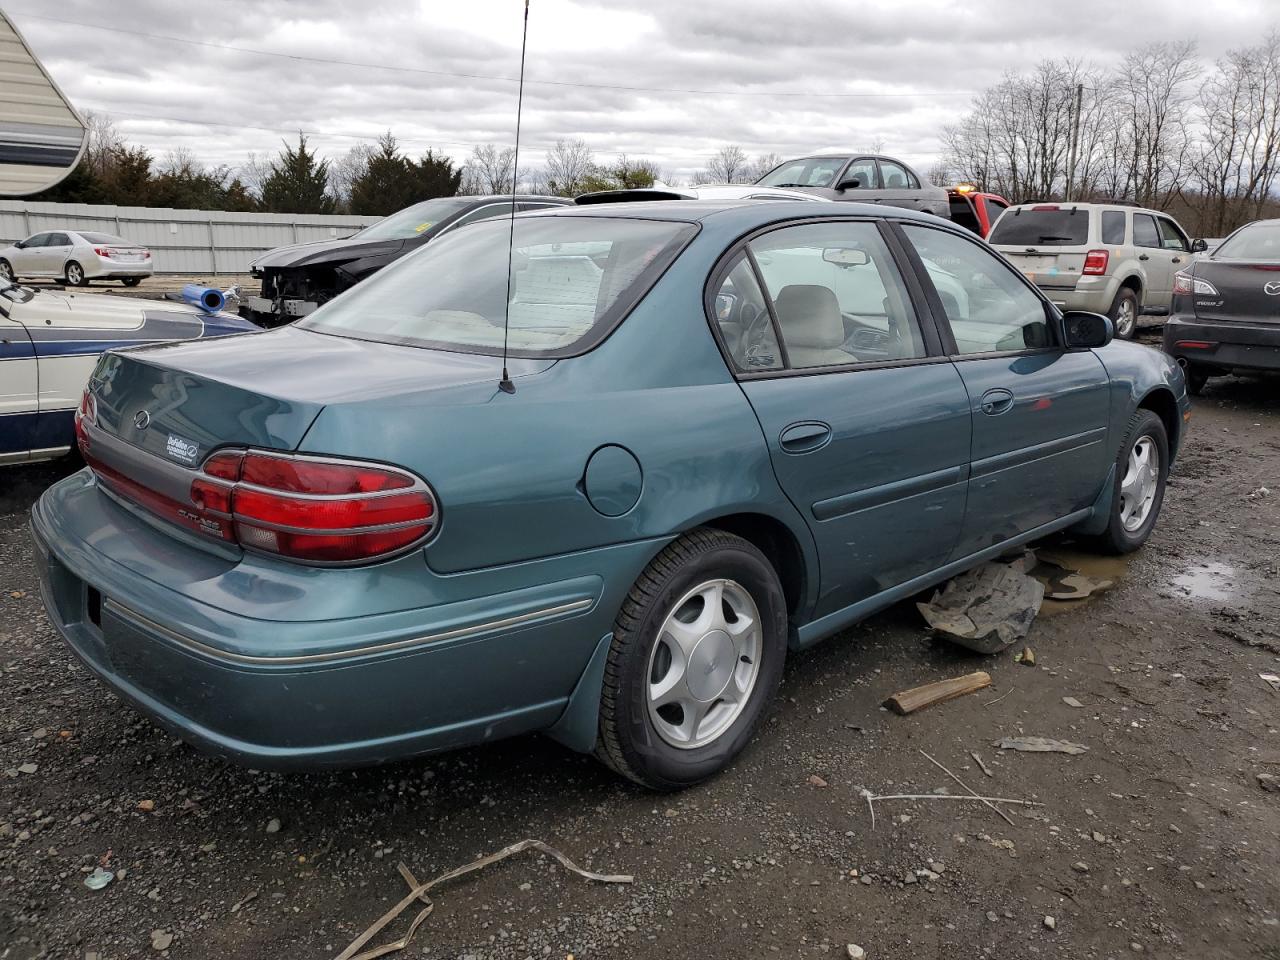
x=1162 y=839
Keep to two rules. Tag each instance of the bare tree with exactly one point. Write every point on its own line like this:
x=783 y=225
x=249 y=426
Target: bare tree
x=762 y=165
x=1152 y=98
x=489 y=169
x=729 y=165
x=569 y=164
x=103 y=141
x=346 y=170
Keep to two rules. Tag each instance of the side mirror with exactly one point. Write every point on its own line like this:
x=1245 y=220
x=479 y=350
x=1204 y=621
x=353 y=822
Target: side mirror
x=1086 y=330
x=851 y=184
x=1199 y=246
x=20 y=244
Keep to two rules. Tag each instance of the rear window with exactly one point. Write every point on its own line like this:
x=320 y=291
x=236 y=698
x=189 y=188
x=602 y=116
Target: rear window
x=1258 y=241
x=104 y=238
x=1047 y=227
x=1113 y=227
x=572 y=280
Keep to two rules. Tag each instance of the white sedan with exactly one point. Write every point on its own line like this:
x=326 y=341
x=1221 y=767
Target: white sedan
x=50 y=342
x=77 y=257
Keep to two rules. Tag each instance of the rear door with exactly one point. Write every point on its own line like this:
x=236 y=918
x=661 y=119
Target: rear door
x=1157 y=262
x=56 y=253
x=867 y=423
x=1039 y=411
x=19 y=408
x=899 y=186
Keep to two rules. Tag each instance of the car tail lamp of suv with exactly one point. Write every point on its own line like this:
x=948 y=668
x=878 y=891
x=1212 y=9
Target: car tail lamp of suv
x=320 y=510
x=1095 y=263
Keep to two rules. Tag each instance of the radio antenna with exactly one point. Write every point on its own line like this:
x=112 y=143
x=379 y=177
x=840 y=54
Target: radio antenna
x=505 y=384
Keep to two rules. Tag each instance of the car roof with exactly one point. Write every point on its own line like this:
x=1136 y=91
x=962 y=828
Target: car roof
x=520 y=198
x=1085 y=205
x=746 y=213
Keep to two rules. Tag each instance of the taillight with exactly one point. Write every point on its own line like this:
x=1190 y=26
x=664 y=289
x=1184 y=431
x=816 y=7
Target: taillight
x=103 y=252
x=88 y=410
x=1095 y=263
x=313 y=509
x=146 y=254
x=1184 y=283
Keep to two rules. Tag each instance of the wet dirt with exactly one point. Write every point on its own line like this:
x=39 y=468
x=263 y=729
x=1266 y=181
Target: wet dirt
x=1161 y=835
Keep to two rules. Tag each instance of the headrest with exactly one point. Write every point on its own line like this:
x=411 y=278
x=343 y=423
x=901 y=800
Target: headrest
x=810 y=316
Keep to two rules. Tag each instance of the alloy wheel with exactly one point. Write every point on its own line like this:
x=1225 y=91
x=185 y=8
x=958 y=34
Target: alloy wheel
x=1140 y=484
x=1127 y=319
x=75 y=274
x=704 y=665
x=6 y=271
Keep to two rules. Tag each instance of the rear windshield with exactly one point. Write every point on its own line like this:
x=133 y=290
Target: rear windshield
x=809 y=172
x=1258 y=241
x=104 y=238
x=572 y=279
x=412 y=221
x=1029 y=226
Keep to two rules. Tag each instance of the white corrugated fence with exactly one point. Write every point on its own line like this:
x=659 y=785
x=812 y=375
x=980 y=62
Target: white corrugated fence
x=181 y=241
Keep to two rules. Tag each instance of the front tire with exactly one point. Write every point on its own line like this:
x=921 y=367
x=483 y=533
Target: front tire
x=697 y=653
x=1124 y=313
x=1142 y=469
x=75 y=275
x=131 y=281
x=6 y=271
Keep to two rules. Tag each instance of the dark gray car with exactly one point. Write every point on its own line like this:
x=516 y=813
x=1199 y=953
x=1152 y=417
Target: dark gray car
x=865 y=178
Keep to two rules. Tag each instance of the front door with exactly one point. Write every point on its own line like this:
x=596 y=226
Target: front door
x=1040 y=412
x=867 y=423
x=26 y=261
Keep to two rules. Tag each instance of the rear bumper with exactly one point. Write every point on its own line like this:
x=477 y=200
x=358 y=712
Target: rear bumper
x=1094 y=294
x=1223 y=345
x=115 y=268
x=251 y=660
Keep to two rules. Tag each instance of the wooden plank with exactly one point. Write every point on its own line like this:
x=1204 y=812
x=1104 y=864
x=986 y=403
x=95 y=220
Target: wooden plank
x=909 y=701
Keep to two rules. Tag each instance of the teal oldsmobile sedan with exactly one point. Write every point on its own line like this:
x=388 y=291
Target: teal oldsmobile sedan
x=729 y=430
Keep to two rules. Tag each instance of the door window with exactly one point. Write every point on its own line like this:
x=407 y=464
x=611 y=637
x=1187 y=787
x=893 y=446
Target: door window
x=38 y=240
x=864 y=171
x=1113 y=227
x=742 y=317
x=836 y=295
x=1172 y=238
x=1145 y=233
x=897 y=177
x=989 y=307
x=58 y=240
x=487 y=212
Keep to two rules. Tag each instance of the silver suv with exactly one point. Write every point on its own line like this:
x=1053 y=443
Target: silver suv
x=1112 y=258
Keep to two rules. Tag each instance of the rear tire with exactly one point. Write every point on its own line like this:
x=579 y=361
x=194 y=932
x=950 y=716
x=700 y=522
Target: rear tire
x=6 y=271
x=75 y=275
x=1142 y=468
x=644 y=734
x=1124 y=313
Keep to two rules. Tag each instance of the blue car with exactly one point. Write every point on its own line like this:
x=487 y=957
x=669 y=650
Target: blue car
x=599 y=484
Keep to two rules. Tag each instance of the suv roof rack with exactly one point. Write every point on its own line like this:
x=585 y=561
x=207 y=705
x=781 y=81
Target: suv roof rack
x=1105 y=202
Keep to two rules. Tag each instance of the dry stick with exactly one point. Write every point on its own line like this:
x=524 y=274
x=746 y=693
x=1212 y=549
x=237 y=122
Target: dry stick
x=420 y=890
x=978 y=758
x=967 y=787
x=952 y=796
x=999 y=698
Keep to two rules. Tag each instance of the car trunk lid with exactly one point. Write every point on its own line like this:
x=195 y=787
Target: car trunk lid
x=1246 y=290
x=159 y=412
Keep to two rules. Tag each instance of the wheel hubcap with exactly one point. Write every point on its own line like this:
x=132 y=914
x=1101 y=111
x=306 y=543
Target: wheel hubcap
x=704 y=665
x=1127 y=311
x=1140 y=483
x=74 y=274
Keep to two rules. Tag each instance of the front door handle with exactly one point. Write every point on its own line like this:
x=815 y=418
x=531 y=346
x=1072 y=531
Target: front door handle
x=1144 y=257
x=805 y=437
x=996 y=401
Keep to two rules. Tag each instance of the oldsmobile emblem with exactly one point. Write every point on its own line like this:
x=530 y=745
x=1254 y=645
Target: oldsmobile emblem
x=142 y=419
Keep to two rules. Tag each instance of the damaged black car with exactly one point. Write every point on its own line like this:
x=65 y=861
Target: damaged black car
x=300 y=277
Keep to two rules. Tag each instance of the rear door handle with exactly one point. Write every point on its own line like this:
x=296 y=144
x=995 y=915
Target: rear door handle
x=996 y=401
x=805 y=437
x=1144 y=257
x=1177 y=259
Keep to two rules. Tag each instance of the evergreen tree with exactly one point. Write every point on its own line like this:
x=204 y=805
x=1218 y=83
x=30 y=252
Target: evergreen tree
x=391 y=181
x=298 y=182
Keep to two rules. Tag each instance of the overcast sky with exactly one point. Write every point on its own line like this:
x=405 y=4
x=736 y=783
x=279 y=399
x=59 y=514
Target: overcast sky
x=770 y=75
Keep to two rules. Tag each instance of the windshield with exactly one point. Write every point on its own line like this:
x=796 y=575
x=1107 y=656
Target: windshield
x=572 y=280
x=1047 y=227
x=412 y=221
x=1258 y=241
x=810 y=172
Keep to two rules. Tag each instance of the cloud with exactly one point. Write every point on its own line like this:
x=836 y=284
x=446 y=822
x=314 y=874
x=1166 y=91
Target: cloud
x=764 y=73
